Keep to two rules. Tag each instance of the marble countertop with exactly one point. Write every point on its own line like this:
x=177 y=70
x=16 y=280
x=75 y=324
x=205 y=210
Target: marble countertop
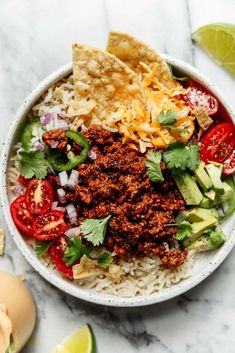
x=35 y=39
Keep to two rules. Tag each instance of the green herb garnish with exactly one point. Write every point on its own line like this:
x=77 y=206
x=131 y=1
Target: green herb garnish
x=32 y=163
x=168 y=118
x=179 y=157
x=10 y=348
x=74 y=251
x=42 y=247
x=94 y=230
x=105 y=259
x=153 y=160
x=185 y=229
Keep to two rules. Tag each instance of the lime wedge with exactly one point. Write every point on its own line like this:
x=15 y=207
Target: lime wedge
x=218 y=40
x=81 y=341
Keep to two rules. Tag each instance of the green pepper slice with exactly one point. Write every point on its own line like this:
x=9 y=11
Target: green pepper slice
x=56 y=159
x=27 y=134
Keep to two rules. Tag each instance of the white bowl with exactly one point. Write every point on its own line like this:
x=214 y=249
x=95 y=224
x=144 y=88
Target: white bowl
x=204 y=265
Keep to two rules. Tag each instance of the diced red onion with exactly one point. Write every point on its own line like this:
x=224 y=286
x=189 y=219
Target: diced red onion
x=54 y=205
x=63 y=178
x=46 y=119
x=61 y=195
x=54 y=144
x=73 y=232
x=39 y=146
x=72 y=213
x=73 y=179
x=61 y=124
x=20 y=190
x=92 y=155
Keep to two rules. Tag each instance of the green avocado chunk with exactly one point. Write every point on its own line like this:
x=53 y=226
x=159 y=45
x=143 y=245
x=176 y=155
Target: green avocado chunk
x=198 y=214
x=188 y=188
x=215 y=175
x=199 y=228
x=202 y=177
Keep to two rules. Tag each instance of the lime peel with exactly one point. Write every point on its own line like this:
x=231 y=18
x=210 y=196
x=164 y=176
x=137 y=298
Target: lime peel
x=218 y=40
x=80 y=341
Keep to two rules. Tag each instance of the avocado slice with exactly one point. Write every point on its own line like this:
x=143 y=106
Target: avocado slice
x=228 y=192
x=199 y=228
x=206 y=203
x=188 y=188
x=214 y=172
x=202 y=177
x=198 y=214
x=231 y=200
x=211 y=194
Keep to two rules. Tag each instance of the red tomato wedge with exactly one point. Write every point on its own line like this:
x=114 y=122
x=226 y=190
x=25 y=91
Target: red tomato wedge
x=21 y=216
x=39 y=196
x=229 y=164
x=200 y=97
x=49 y=226
x=23 y=181
x=218 y=143
x=57 y=252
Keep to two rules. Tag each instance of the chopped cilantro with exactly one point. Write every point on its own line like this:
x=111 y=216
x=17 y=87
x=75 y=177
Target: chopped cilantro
x=179 y=157
x=33 y=163
x=94 y=230
x=74 y=251
x=185 y=229
x=178 y=75
x=42 y=247
x=152 y=163
x=168 y=118
x=105 y=259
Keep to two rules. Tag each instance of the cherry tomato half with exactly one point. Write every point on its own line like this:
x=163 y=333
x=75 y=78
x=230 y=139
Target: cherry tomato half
x=57 y=253
x=21 y=216
x=39 y=196
x=229 y=164
x=23 y=181
x=49 y=226
x=200 y=97
x=218 y=143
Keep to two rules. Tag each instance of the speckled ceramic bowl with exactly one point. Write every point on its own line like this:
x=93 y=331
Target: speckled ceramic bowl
x=203 y=267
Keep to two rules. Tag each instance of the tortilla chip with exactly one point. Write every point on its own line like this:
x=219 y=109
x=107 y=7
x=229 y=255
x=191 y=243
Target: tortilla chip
x=101 y=78
x=132 y=52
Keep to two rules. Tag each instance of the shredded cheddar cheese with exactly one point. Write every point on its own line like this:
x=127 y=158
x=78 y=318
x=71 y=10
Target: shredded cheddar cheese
x=139 y=125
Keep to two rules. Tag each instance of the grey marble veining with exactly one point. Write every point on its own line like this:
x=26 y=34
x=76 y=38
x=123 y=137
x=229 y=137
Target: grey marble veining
x=35 y=39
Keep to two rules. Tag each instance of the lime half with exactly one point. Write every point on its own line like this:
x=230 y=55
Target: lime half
x=81 y=341
x=218 y=40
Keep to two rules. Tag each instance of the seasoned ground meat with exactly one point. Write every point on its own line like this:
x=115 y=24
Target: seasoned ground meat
x=56 y=139
x=116 y=184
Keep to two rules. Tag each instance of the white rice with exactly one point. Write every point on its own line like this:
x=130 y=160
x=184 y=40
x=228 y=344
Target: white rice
x=135 y=277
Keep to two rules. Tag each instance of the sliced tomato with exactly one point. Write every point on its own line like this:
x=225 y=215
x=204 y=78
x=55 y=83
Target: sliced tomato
x=218 y=143
x=39 y=196
x=21 y=216
x=23 y=181
x=229 y=164
x=49 y=226
x=57 y=253
x=198 y=96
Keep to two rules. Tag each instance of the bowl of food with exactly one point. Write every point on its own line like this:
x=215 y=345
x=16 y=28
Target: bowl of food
x=117 y=176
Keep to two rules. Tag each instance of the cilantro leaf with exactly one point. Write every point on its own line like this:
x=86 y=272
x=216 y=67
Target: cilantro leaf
x=105 y=259
x=33 y=163
x=167 y=117
x=180 y=157
x=10 y=348
x=42 y=247
x=152 y=163
x=185 y=229
x=94 y=230
x=74 y=251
